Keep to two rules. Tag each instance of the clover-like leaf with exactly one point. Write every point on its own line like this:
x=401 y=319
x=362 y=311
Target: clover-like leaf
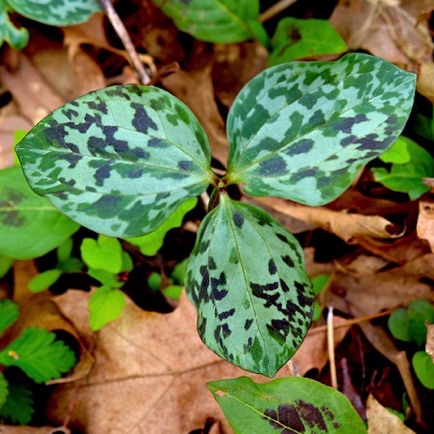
x=285 y=405
x=247 y=279
x=302 y=130
x=37 y=353
x=56 y=12
x=24 y=216
x=118 y=160
x=16 y=38
x=9 y=313
x=218 y=21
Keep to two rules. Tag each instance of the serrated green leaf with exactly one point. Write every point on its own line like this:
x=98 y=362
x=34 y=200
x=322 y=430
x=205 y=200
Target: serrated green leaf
x=44 y=280
x=424 y=368
x=302 y=130
x=18 y=407
x=105 y=305
x=285 y=405
x=151 y=243
x=16 y=38
x=24 y=216
x=56 y=12
x=409 y=324
x=9 y=313
x=104 y=253
x=37 y=353
x=247 y=279
x=118 y=160
x=298 y=38
x=406 y=176
x=5 y=265
x=3 y=390
x=218 y=21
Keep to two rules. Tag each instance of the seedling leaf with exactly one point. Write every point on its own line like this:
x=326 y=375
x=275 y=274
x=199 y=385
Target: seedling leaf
x=298 y=38
x=37 y=353
x=302 y=130
x=218 y=21
x=18 y=407
x=56 y=12
x=424 y=368
x=285 y=405
x=105 y=253
x=9 y=313
x=247 y=279
x=118 y=160
x=24 y=216
x=44 y=280
x=105 y=305
x=5 y=265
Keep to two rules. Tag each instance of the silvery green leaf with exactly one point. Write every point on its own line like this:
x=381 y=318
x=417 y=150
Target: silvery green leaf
x=247 y=279
x=56 y=12
x=118 y=160
x=302 y=130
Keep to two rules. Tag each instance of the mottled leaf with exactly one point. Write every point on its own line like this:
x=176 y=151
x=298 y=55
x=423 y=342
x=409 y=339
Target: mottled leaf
x=37 y=353
x=297 y=38
x=56 y=12
x=285 y=406
x=16 y=38
x=218 y=21
x=9 y=313
x=105 y=305
x=247 y=279
x=303 y=130
x=118 y=160
x=24 y=216
x=151 y=243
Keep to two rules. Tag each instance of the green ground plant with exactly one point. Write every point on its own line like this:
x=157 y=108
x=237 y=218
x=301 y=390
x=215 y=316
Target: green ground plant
x=37 y=353
x=122 y=160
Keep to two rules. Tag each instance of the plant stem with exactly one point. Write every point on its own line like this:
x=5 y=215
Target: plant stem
x=275 y=9
x=121 y=31
x=331 y=348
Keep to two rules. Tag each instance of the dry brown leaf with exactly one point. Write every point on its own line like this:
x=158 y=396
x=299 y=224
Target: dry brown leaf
x=152 y=366
x=382 y=421
x=346 y=226
x=425 y=222
x=425 y=81
x=35 y=98
x=390 y=30
x=429 y=347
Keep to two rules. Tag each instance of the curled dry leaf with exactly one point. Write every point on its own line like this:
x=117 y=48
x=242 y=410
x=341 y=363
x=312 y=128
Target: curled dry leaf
x=344 y=225
x=425 y=222
x=429 y=348
x=381 y=420
x=155 y=361
x=425 y=81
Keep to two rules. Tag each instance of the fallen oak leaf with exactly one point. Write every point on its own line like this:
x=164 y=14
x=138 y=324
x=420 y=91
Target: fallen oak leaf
x=345 y=225
x=155 y=361
x=425 y=222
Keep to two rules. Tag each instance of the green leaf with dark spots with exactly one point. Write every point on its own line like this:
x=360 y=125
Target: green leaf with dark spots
x=303 y=130
x=25 y=216
x=247 y=279
x=118 y=160
x=56 y=12
x=218 y=21
x=284 y=406
x=298 y=38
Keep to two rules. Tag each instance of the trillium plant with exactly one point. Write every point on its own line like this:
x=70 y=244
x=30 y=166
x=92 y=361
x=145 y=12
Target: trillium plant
x=122 y=160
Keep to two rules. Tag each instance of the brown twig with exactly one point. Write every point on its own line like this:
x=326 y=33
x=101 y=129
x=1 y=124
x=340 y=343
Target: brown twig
x=331 y=348
x=275 y=9
x=121 y=31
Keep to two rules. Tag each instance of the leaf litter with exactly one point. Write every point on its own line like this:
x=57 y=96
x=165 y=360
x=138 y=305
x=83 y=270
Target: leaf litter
x=147 y=371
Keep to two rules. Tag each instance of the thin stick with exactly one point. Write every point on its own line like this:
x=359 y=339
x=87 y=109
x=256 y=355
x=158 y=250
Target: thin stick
x=331 y=348
x=121 y=31
x=275 y=9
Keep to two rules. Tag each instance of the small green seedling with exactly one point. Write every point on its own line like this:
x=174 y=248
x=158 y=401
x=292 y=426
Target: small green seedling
x=51 y=12
x=410 y=163
x=37 y=354
x=319 y=284
x=409 y=325
x=172 y=286
x=121 y=160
